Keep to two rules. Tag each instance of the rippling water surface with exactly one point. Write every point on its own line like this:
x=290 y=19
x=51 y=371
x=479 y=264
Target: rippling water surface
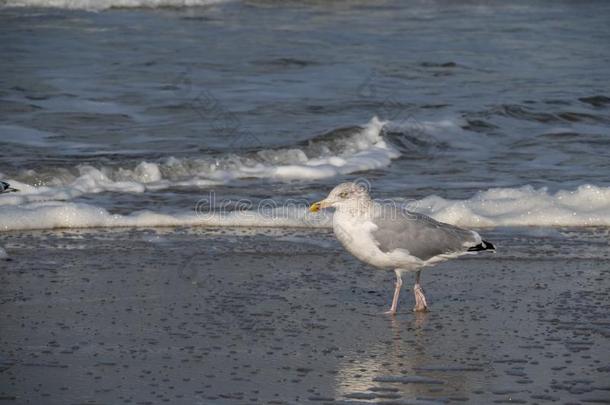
x=154 y=108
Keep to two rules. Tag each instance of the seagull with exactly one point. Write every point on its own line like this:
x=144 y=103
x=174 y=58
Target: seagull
x=6 y=188
x=388 y=236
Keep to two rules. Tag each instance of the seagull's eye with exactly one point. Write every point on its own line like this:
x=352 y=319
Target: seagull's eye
x=343 y=194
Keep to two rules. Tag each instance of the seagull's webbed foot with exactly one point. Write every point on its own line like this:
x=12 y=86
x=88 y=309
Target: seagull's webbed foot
x=420 y=299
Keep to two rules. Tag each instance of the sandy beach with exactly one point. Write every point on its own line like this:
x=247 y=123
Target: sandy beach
x=281 y=316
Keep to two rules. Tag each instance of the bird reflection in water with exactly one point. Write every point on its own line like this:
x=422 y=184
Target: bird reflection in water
x=397 y=365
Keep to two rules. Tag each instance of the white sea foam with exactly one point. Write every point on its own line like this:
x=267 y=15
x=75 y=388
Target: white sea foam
x=96 y=5
x=586 y=206
x=58 y=214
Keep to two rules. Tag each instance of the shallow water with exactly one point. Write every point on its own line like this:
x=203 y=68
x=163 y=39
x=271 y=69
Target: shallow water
x=152 y=108
x=277 y=316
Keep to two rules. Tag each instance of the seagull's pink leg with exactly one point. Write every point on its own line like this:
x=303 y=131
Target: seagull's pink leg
x=398 y=284
x=420 y=299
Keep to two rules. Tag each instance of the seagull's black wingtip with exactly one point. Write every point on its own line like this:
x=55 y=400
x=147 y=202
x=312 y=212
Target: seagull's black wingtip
x=484 y=245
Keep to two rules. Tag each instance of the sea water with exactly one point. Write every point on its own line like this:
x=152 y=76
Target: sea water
x=121 y=113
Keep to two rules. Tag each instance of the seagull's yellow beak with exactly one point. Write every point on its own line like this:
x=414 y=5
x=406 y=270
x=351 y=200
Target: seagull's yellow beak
x=317 y=206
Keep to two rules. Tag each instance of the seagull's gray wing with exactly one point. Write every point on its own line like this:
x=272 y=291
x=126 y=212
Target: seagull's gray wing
x=422 y=236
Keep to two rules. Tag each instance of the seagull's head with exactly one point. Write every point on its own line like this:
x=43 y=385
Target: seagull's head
x=344 y=196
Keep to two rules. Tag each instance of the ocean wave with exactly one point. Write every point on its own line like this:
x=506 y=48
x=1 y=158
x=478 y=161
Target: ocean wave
x=98 y=5
x=339 y=152
x=586 y=206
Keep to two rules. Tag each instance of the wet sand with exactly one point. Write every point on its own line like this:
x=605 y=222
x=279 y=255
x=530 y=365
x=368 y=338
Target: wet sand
x=206 y=316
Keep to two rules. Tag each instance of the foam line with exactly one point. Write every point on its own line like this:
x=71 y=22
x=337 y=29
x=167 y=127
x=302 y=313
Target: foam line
x=588 y=205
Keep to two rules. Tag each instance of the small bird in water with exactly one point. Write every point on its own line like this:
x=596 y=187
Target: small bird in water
x=6 y=188
x=388 y=236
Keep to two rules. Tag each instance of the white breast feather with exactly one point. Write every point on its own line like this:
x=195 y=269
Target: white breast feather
x=355 y=234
